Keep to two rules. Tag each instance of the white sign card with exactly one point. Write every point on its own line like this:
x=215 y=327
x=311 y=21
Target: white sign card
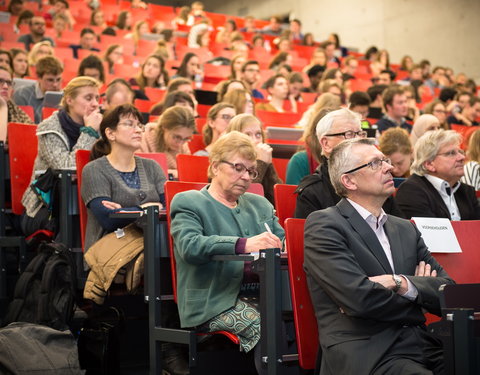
x=438 y=234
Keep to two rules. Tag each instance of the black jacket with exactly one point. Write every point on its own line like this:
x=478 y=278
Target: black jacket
x=417 y=197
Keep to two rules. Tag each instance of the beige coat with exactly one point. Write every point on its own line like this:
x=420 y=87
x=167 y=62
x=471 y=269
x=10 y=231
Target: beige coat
x=111 y=258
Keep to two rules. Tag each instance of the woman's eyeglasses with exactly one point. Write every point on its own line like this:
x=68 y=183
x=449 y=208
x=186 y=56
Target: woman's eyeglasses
x=241 y=169
x=133 y=125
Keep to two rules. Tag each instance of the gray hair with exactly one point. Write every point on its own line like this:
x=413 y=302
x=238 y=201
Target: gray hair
x=341 y=161
x=428 y=145
x=341 y=115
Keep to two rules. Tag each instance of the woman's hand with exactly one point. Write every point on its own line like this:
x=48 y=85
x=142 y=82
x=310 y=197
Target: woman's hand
x=93 y=119
x=262 y=241
x=111 y=205
x=264 y=152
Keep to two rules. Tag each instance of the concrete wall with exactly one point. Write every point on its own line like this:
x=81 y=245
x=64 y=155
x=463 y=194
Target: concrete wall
x=447 y=32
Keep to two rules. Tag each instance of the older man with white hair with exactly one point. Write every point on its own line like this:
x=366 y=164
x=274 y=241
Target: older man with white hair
x=315 y=191
x=434 y=188
x=370 y=275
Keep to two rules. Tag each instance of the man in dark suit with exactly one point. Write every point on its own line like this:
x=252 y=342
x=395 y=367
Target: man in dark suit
x=434 y=189
x=370 y=274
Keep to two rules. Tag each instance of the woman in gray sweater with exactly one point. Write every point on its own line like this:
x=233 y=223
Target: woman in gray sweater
x=117 y=179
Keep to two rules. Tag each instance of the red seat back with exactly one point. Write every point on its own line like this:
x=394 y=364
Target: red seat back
x=159 y=157
x=306 y=328
x=22 y=146
x=192 y=168
x=281 y=167
x=28 y=109
x=196 y=143
x=285 y=201
x=286 y=118
x=47 y=112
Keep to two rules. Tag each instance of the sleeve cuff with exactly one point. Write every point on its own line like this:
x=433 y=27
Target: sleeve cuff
x=412 y=291
x=240 y=245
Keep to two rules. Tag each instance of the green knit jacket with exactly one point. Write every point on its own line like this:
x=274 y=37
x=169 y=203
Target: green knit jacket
x=202 y=227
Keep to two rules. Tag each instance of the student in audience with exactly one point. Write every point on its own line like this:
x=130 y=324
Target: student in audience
x=182 y=17
x=277 y=88
x=406 y=64
x=92 y=66
x=15 y=7
x=236 y=67
x=396 y=108
x=60 y=24
x=472 y=168
x=359 y=102
x=189 y=67
x=218 y=118
x=274 y=27
x=251 y=77
x=6 y=59
x=23 y=19
x=97 y=18
x=179 y=84
x=19 y=62
x=395 y=145
x=118 y=93
x=113 y=55
x=241 y=100
x=284 y=44
x=319 y=57
x=434 y=188
x=170 y=135
x=383 y=58
x=370 y=320
x=74 y=127
x=9 y=111
x=423 y=124
x=197 y=13
x=326 y=100
x=172 y=99
x=267 y=175
x=438 y=109
x=385 y=77
x=315 y=191
x=227 y=86
x=333 y=73
x=141 y=27
x=249 y=25
x=222 y=219
x=309 y=40
x=329 y=48
x=469 y=114
x=124 y=20
x=295 y=84
x=331 y=86
x=39 y=50
x=413 y=111
x=437 y=80
x=113 y=180
x=258 y=41
x=376 y=106
x=196 y=33
x=334 y=38
x=37 y=33
x=350 y=66
x=152 y=74
x=315 y=76
x=49 y=78
x=88 y=38
x=280 y=59
x=296 y=30
x=223 y=36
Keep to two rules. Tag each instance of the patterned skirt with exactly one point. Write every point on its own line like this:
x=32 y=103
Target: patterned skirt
x=242 y=320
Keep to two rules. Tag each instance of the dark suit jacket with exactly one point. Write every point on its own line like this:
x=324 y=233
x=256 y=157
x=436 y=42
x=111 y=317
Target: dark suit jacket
x=358 y=320
x=417 y=197
x=316 y=192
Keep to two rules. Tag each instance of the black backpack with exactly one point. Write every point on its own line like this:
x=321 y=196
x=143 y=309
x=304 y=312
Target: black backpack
x=45 y=293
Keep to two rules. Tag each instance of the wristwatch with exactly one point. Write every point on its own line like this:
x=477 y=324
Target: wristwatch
x=398 y=282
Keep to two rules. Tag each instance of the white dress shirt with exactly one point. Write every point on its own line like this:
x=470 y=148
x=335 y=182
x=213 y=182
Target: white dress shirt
x=376 y=223
x=447 y=193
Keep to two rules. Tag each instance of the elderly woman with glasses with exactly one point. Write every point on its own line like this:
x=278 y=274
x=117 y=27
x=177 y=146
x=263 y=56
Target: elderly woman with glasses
x=116 y=179
x=222 y=218
x=9 y=111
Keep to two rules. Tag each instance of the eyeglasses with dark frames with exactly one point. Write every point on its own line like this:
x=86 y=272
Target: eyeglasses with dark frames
x=349 y=134
x=241 y=169
x=374 y=165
